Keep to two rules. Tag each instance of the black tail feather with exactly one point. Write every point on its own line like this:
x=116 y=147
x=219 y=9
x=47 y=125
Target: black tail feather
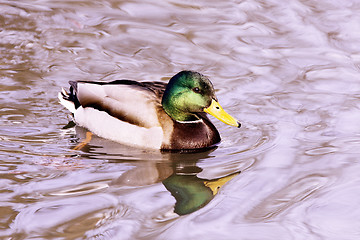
x=72 y=95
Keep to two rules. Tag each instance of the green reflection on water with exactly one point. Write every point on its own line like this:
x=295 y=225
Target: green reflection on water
x=191 y=192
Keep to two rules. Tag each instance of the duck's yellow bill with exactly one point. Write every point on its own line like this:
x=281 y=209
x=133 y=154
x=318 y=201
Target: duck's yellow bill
x=217 y=111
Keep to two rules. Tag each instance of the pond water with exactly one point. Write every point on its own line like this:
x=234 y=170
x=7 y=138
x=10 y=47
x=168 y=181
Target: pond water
x=289 y=71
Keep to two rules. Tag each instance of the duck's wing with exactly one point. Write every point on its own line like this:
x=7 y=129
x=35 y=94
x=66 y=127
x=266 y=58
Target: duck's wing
x=129 y=101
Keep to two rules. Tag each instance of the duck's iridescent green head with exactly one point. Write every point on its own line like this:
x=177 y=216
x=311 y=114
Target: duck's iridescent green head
x=188 y=93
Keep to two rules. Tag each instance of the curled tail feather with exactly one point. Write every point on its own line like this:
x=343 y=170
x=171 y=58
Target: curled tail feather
x=69 y=100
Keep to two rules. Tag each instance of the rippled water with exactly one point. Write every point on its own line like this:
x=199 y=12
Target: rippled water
x=288 y=70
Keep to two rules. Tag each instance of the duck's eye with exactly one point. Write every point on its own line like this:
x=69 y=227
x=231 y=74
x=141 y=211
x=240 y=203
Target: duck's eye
x=196 y=90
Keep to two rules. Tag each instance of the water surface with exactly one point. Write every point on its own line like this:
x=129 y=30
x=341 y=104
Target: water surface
x=288 y=71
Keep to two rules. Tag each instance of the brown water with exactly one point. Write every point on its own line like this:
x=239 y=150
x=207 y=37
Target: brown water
x=289 y=71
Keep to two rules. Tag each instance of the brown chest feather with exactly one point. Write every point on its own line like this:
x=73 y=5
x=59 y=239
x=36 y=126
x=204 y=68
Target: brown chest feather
x=193 y=135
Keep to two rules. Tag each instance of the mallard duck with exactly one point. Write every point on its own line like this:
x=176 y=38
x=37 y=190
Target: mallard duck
x=149 y=114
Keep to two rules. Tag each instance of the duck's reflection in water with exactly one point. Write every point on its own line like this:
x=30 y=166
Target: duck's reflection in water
x=180 y=177
x=178 y=172
x=191 y=192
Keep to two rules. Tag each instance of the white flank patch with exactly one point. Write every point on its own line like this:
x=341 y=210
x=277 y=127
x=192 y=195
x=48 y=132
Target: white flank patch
x=106 y=126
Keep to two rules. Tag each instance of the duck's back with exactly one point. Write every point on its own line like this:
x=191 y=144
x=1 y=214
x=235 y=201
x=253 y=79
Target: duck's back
x=123 y=111
x=128 y=101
